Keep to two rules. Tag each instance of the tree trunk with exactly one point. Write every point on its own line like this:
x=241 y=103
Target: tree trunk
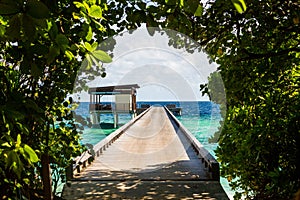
x=46 y=176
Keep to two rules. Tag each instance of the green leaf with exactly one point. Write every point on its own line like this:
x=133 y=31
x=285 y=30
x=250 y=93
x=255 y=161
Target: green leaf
x=37 y=9
x=6 y=144
x=8 y=7
x=62 y=41
x=192 y=6
x=14 y=29
x=31 y=153
x=79 y=4
x=53 y=30
x=239 y=5
x=181 y=3
x=151 y=31
x=102 y=56
x=22 y=128
x=35 y=70
x=13 y=162
x=87 y=61
x=95 y=12
x=69 y=54
x=26 y=181
x=88 y=46
x=94 y=46
x=89 y=35
x=18 y=143
x=199 y=11
x=2 y=30
x=171 y=2
x=85 y=64
x=53 y=52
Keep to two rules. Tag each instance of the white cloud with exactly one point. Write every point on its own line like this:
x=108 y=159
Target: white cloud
x=163 y=72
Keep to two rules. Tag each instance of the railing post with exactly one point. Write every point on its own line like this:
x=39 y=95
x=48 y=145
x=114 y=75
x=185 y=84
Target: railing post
x=78 y=168
x=215 y=171
x=69 y=172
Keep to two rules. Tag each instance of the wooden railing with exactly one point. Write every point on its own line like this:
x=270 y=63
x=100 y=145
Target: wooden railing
x=87 y=157
x=208 y=160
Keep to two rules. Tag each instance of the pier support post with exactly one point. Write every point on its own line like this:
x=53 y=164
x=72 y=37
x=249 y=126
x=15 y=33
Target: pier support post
x=116 y=120
x=95 y=117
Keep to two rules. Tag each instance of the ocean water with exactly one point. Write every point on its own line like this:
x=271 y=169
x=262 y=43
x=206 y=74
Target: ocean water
x=200 y=118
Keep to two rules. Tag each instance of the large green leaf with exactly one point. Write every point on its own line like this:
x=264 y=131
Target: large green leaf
x=35 y=70
x=14 y=29
x=95 y=11
x=8 y=7
x=31 y=153
x=37 y=9
x=28 y=26
x=102 y=56
x=53 y=52
x=62 y=41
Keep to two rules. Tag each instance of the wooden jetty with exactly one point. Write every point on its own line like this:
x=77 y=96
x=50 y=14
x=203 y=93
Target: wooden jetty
x=152 y=157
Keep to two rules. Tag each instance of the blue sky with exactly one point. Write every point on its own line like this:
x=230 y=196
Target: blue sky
x=163 y=72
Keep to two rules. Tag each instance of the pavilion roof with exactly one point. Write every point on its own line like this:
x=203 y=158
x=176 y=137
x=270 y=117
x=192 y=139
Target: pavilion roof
x=112 y=90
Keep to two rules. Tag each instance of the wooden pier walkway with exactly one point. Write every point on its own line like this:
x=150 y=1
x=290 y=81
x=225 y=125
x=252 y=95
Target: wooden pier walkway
x=151 y=157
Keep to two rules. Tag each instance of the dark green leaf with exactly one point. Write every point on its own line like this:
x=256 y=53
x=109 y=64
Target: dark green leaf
x=171 y=2
x=14 y=29
x=35 y=70
x=29 y=27
x=53 y=52
x=37 y=9
x=62 y=41
x=9 y=7
x=53 y=30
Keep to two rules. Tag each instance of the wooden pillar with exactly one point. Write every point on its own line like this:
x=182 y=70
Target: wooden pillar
x=116 y=119
x=46 y=177
x=133 y=102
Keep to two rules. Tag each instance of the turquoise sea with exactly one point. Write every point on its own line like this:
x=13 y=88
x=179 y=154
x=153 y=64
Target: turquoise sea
x=200 y=118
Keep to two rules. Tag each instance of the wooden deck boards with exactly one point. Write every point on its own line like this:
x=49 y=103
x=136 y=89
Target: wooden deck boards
x=152 y=150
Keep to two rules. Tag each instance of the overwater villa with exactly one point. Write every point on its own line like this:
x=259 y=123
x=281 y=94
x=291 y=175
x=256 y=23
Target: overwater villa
x=124 y=102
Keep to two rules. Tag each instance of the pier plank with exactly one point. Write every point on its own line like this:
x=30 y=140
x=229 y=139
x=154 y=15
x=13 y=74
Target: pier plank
x=154 y=150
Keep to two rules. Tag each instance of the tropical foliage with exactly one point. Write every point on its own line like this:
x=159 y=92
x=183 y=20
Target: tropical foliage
x=42 y=43
x=258 y=56
x=255 y=43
